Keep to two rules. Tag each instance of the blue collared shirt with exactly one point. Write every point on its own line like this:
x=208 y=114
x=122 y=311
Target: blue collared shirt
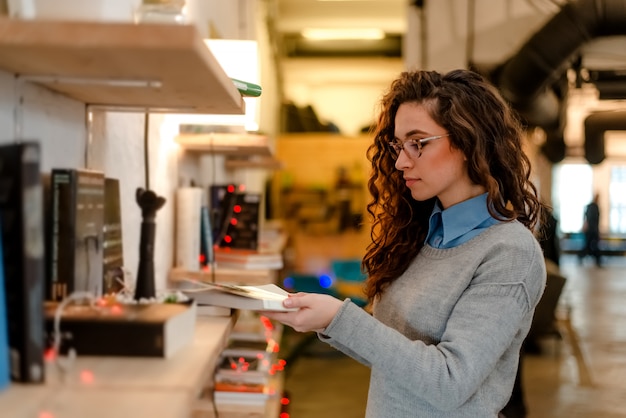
x=459 y=223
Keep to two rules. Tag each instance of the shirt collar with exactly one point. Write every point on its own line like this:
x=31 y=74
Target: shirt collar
x=463 y=217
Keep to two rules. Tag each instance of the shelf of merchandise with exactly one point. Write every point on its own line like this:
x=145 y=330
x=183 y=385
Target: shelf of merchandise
x=125 y=67
x=270 y=409
x=244 y=329
x=159 y=67
x=272 y=239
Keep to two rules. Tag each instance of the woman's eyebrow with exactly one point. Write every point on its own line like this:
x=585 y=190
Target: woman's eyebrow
x=411 y=133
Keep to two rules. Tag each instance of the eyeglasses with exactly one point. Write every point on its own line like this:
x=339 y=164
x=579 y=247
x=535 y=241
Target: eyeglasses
x=413 y=147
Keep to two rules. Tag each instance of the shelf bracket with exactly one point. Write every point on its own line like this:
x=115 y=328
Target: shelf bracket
x=110 y=82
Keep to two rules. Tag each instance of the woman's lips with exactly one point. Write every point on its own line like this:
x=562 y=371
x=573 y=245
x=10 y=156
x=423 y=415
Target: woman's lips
x=409 y=181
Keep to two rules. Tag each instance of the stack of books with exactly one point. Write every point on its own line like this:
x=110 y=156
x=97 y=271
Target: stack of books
x=247 y=259
x=247 y=373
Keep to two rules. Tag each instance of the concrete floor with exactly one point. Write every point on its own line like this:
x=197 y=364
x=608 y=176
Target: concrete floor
x=583 y=375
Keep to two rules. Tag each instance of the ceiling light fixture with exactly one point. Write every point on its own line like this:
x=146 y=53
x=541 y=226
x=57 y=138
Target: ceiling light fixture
x=318 y=34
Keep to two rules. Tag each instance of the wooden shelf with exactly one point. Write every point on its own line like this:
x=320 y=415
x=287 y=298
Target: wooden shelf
x=255 y=161
x=226 y=143
x=125 y=386
x=158 y=67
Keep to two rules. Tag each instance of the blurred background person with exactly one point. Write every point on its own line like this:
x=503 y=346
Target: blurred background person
x=591 y=230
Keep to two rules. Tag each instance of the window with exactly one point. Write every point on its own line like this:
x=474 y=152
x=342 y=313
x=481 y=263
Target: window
x=572 y=190
x=617 y=200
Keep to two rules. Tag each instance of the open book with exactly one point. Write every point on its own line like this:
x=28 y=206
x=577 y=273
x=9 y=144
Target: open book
x=267 y=297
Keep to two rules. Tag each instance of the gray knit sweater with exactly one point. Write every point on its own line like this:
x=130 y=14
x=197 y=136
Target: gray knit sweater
x=445 y=337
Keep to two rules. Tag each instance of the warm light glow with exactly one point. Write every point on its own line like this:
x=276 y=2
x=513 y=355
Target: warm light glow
x=240 y=60
x=86 y=376
x=116 y=310
x=50 y=355
x=321 y=34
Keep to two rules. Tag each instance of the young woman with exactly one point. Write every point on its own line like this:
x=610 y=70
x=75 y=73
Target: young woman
x=454 y=270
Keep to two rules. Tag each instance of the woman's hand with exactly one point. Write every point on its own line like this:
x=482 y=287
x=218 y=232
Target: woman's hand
x=315 y=311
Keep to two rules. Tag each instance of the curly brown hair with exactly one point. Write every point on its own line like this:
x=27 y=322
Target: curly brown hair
x=481 y=125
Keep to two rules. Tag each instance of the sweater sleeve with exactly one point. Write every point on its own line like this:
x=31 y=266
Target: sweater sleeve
x=489 y=315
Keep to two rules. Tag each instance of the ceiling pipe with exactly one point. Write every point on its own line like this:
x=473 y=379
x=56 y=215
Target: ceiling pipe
x=596 y=125
x=527 y=79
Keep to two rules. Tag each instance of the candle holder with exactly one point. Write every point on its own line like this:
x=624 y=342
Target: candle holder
x=149 y=203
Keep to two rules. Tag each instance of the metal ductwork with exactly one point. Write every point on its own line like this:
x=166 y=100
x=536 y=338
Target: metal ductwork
x=526 y=79
x=596 y=124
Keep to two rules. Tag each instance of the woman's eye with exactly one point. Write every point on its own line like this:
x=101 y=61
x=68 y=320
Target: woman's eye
x=414 y=144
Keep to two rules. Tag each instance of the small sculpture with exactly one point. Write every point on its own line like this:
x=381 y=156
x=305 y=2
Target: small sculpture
x=149 y=203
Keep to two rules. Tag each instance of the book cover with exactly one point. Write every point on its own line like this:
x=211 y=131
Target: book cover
x=21 y=213
x=77 y=231
x=5 y=373
x=112 y=239
x=243 y=228
x=222 y=201
x=267 y=297
x=142 y=330
x=206 y=237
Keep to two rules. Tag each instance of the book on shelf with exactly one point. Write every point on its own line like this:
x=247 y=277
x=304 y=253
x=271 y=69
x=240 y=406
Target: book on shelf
x=268 y=297
x=76 y=261
x=23 y=255
x=246 y=348
x=235 y=216
x=112 y=243
x=237 y=386
x=243 y=233
x=222 y=201
x=135 y=330
x=248 y=369
x=5 y=372
x=188 y=227
x=242 y=393
x=206 y=236
x=247 y=259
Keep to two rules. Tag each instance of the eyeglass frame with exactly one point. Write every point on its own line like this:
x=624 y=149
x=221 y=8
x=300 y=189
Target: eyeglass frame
x=396 y=146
